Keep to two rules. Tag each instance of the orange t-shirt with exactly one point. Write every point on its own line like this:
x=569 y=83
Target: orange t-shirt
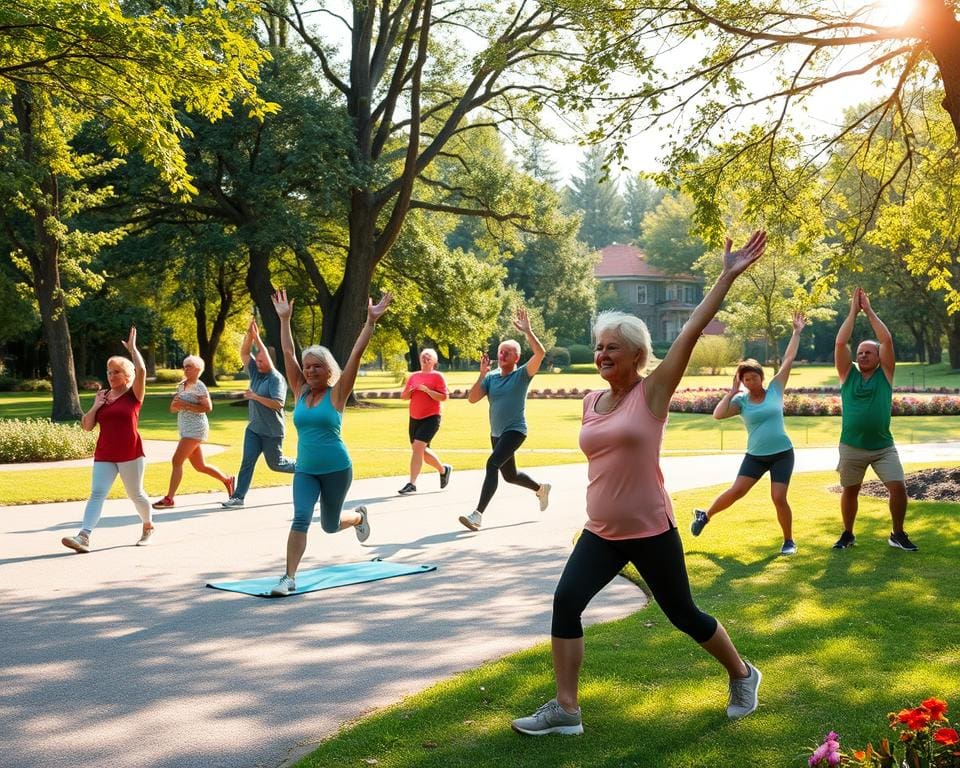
x=625 y=494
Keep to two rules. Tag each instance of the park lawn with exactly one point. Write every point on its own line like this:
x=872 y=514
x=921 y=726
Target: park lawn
x=842 y=638
x=376 y=434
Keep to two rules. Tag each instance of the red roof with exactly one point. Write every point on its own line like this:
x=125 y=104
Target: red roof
x=628 y=261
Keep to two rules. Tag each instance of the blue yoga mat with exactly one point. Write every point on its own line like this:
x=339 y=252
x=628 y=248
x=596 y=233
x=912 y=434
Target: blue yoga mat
x=326 y=578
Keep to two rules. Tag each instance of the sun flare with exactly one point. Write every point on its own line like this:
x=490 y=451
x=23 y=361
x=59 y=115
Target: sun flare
x=893 y=13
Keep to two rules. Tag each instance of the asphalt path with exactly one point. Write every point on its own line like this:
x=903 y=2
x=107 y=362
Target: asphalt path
x=122 y=657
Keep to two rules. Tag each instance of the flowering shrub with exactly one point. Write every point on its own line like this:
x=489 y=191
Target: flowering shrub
x=24 y=440
x=924 y=739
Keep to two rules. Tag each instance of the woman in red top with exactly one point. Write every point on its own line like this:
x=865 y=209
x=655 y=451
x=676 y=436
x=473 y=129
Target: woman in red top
x=119 y=447
x=425 y=390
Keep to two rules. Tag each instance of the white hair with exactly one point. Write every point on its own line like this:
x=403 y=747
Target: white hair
x=514 y=345
x=196 y=360
x=326 y=357
x=430 y=353
x=628 y=327
x=124 y=363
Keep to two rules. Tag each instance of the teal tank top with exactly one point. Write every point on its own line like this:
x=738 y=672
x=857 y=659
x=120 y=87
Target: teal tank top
x=320 y=446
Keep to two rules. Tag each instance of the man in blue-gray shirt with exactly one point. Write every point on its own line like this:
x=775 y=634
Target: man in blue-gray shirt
x=264 y=434
x=506 y=390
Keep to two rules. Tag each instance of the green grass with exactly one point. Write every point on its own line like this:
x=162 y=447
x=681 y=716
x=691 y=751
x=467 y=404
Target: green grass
x=842 y=637
x=376 y=436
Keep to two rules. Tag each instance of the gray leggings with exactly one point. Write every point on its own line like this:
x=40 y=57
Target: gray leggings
x=104 y=473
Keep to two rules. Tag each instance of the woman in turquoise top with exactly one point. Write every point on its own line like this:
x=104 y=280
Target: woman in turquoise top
x=768 y=447
x=324 y=470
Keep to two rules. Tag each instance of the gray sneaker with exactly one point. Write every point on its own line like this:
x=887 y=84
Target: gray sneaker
x=473 y=521
x=234 y=502
x=743 y=693
x=543 y=494
x=550 y=718
x=78 y=543
x=362 y=528
x=284 y=587
x=700 y=521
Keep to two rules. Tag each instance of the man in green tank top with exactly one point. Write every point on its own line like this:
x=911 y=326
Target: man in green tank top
x=866 y=395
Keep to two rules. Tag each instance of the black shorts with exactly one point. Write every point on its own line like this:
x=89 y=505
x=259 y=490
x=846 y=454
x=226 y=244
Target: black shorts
x=424 y=429
x=780 y=466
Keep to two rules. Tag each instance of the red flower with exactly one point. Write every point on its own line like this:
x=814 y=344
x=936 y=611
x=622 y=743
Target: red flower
x=915 y=719
x=947 y=736
x=859 y=755
x=936 y=708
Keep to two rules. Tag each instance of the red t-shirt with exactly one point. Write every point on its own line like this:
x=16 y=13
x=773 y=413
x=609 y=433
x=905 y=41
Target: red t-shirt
x=421 y=404
x=119 y=439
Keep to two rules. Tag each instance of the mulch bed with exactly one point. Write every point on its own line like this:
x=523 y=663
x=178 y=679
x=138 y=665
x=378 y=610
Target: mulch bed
x=925 y=485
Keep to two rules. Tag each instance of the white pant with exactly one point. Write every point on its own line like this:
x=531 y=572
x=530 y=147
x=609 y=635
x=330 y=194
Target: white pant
x=104 y=473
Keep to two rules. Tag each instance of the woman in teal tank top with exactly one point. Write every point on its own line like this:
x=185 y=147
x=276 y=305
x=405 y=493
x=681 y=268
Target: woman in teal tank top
x=324 y=470
x=768 y=447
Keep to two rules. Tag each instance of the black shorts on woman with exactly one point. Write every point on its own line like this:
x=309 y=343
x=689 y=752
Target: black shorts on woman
x=424 y=429
x=780 y=466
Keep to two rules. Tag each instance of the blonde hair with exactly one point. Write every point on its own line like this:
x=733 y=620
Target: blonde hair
x=630 y=328
x=124 y=363
x=326 y=357
x=196 y=360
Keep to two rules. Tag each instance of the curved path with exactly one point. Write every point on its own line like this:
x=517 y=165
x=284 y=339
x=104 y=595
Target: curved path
x=122 y=658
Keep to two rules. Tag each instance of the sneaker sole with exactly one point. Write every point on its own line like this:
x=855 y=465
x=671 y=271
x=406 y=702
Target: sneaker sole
x=70 y=544
x=564 y=730
x=895 y=545
x=405 y=493
x=467 y=524
x=280 y=593
x=162 y=506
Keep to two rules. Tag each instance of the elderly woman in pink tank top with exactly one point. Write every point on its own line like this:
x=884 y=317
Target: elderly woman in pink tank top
x=630 y=517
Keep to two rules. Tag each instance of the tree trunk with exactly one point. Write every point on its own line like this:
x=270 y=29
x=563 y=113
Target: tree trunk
x=261 y=289
x=934 y=352
x=941 y=30
x=953 y=341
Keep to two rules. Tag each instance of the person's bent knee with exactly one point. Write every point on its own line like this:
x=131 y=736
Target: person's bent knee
x=300 y=526
x=330 y=526
x=567 y=609
x=697 y=624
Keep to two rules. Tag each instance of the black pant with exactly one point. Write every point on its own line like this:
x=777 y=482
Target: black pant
x=501 y=460
x=659 y=559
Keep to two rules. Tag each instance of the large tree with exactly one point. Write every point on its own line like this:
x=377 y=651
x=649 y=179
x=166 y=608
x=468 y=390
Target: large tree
x=594 y=196
x=700 y=65
x=64 y=63
x=413 y=75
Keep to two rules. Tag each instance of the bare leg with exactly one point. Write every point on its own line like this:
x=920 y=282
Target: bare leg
x=432 y=459
x=185 y=448
x=416 y=460
x=849 y=504
x=721 y=647
x=349 y=520
x=734 y=493
x=197 y=460
x=778 y=492
x=898 y=504
x=296 y=546
x=567 y=658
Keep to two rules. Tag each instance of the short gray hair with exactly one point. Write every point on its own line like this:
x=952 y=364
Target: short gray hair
x=514 y=345
x=125 y=363
x=325 y=356
x=196 y=360
x=430 y=353
x=630 y=328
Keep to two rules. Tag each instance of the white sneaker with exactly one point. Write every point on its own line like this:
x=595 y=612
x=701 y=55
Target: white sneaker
x=473 y=520
x=78 y=543
x=232 y=503
x=284 y=587
x=145 y=536
x=543 y=493
x=362 y=528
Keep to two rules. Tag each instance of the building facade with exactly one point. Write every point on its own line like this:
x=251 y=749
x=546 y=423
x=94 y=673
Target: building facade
x=664 y=302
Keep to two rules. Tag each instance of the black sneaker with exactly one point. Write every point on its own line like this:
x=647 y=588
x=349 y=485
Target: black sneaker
x=445 y=476
x=902 y=541
x=846 y=540
x=700 y=520
x=408 y=488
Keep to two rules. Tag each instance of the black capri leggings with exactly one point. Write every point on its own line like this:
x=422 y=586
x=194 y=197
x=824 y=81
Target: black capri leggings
x=502 y=461
x=659 y=559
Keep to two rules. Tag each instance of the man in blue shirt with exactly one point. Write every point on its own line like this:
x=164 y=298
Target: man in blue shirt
x=506 y=391
x=264 y=434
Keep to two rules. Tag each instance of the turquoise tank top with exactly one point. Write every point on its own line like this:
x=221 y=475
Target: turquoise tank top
x=320 y=447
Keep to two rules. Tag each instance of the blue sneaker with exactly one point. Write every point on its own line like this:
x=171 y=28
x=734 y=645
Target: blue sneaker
x=788 y=548
x=700 y=520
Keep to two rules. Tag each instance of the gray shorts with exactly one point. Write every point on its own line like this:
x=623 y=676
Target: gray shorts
x=854 y=462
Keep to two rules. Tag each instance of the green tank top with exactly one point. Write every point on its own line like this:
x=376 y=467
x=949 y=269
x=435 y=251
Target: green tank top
x=866 y=410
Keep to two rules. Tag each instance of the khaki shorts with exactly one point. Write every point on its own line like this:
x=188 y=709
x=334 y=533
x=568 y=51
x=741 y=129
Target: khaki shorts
x=854 y=462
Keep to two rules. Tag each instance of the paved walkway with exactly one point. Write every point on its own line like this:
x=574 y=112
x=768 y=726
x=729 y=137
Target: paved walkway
x=122 y=658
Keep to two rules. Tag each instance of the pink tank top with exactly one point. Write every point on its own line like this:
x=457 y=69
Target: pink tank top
x=625 y=494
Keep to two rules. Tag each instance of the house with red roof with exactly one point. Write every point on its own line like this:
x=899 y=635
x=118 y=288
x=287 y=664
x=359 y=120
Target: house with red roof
x=664 y=302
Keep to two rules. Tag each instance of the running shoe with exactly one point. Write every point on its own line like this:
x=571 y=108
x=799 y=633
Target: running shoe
x=550 y=718
x=902 y=541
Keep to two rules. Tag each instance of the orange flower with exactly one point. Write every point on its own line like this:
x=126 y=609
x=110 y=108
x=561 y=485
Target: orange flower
x=947 y=736
x=915 y=719
x=859 y=755
x=936 y=707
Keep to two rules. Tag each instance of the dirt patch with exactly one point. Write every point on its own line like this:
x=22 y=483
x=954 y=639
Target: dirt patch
x=925 y=485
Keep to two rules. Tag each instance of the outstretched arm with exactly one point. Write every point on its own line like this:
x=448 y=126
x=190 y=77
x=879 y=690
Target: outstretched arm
x=888 y=360
x=521 y=321
x=247 y=344
x=344 y=386
x=790 y=355
x=662 y=383
x=139 y=385
x=842 y=358
x=284 y=310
